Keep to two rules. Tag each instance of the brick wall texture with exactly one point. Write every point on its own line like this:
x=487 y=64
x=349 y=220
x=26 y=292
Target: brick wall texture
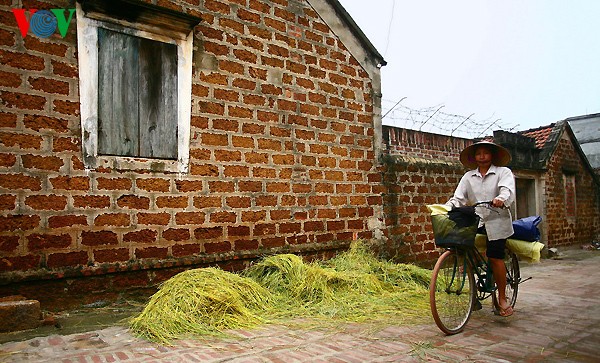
x=281 y=155
x=418 y=169
x=281 y=159
x=564 y=227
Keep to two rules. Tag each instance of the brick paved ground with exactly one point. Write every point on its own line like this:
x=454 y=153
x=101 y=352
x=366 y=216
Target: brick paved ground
x=557 y=320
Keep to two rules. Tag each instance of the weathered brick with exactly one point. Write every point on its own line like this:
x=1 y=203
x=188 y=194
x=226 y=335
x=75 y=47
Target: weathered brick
x=189 y=185
x=66 y=221
x=42 y=122
x=8 y=79
x=153 y=218
x=207 y=202
x=133 y=202
x=49 y=85
x=245 y=244
x=273 y=242
x=266 y=201
x=112 y=219
x=18 y=222
x=66 y=107
x=243 y=142
x=22 y=141
x=228 y=155
x=214 y=139
x=70 y=183
x=143 y=236
x=176 y=234
x=153 y=184
x=290 y=228
x=217 y=247
x=53 y=163
x=238 y=202
x=19 y=315
x=111 y=255
x=222 y=217
x=75 y=258
x=236 y=171
x=188 y=249
x=99 y=238
x=37 y=242
x=35 y=43
x=204 y=170
x=22 y=101
x=221 y=186
x=21 y=60
x=238 y=231
x=9 y=244
x=46 y=202
x=172 y=202
x=7 y=202
x=208 y=233
x=91 y=201
x=64 y=69
x=184 y=218
x=8 y=120
x=151 y=252
x=114 y=183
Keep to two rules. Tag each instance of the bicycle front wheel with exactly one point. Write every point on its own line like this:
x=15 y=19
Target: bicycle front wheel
x=452 y=292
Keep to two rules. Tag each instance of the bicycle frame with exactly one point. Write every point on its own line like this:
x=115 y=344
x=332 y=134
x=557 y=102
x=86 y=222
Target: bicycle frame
x=480 y=267
x=462 y=278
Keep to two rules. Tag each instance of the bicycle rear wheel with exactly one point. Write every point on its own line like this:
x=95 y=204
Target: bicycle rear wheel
x=513 y=277
x=452 y=292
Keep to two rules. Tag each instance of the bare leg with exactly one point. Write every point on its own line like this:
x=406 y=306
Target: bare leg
x=499 y=271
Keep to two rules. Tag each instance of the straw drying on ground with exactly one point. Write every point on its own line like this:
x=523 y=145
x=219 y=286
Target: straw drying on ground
x=354 y=286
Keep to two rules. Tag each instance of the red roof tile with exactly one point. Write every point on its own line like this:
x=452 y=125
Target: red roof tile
x=540 y=135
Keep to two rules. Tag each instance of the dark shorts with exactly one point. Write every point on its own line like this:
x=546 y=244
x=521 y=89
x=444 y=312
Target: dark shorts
x=495 y=248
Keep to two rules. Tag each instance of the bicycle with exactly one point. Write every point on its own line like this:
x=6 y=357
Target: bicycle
x=462 y=277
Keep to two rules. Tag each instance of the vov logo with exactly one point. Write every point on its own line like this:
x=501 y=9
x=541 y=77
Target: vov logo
x=43 y=23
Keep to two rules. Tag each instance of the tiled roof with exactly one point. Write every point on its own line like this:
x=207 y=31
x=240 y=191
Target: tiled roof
x=540 y=135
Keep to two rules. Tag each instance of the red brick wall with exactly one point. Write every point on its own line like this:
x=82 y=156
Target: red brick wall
x=419 y=169
x=273 y=167
x=563 y=228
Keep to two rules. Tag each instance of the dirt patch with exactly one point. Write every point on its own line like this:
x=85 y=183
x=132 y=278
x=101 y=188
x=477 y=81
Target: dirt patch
x=99 y=315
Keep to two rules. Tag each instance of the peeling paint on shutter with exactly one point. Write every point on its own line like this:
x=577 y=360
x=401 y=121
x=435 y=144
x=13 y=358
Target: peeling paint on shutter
x=137 y=103
x=158 y=99
x=118 y=120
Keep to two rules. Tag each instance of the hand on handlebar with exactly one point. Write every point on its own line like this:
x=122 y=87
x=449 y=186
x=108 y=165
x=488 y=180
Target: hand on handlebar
x=498 y=203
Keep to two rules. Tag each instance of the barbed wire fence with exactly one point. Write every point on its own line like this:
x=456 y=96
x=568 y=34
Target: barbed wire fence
x=434 y=119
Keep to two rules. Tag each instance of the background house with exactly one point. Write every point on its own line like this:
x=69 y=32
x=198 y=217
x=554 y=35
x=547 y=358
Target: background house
x=152 y=139
x=570 y=190
x=587 y=131
x=553 y=178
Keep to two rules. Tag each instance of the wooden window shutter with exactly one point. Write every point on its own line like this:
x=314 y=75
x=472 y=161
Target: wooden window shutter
x=137 y=96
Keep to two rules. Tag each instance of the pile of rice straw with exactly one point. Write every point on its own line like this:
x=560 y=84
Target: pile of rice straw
x=355 y=286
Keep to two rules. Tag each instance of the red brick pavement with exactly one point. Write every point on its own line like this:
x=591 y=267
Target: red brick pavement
x=557 y=319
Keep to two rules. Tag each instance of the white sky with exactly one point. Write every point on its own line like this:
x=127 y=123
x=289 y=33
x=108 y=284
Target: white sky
x=525 y=63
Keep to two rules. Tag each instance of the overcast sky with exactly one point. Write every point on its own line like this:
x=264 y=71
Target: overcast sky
x=520 y=63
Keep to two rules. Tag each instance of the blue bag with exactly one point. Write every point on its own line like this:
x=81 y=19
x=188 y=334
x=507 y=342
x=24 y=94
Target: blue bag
x=526 y=229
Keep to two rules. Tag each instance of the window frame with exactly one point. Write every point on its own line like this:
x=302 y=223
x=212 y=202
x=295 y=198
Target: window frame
x=87 y=39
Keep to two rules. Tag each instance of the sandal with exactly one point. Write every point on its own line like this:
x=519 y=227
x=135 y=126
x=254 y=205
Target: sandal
x=505 y=313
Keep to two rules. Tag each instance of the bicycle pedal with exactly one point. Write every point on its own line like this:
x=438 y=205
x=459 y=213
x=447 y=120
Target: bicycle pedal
x=477 y=305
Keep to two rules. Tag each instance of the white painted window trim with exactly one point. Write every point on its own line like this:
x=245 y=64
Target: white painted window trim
x=87 y=41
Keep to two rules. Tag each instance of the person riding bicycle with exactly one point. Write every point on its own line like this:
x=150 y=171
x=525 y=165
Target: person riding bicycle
x=489 y=179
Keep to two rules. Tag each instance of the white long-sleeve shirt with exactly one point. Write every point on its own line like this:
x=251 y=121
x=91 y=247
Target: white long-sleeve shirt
x=499 y=182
